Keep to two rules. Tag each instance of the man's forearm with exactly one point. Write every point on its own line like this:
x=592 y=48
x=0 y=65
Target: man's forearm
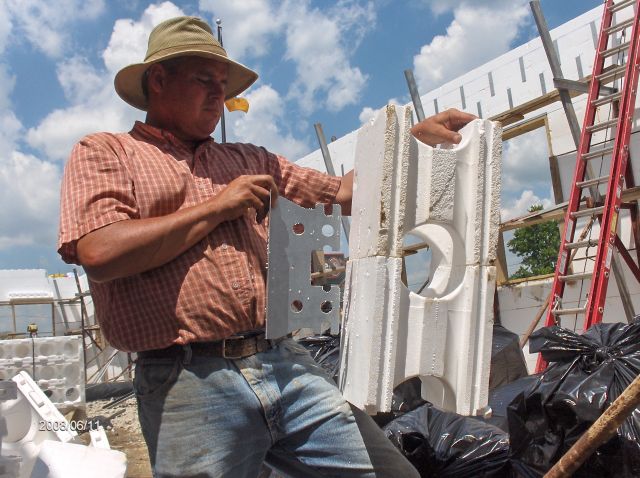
x=133 y=246
x=345 y=193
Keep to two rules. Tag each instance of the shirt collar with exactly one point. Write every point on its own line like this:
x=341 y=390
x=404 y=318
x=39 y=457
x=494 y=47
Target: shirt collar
x=154 y=134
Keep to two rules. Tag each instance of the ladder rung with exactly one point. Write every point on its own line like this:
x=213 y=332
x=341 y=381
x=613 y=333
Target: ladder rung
x=592 y=182
x=607 y=99
x=612 y=74
x=619 y=26
x=602 y=126
x=597 y=154
x=620 y=5
x=577 y=310
x=572 y=277
x=592 y=211
x=615 y=49
x=579 y=244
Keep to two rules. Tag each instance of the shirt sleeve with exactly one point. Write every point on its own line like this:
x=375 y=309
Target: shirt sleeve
x=96 y=190
x=304 y=186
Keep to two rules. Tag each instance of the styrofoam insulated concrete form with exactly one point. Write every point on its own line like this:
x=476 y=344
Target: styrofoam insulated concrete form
x=450 y=199
x=59 y=366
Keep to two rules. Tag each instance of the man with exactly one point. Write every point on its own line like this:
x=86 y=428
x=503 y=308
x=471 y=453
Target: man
x=168 y=226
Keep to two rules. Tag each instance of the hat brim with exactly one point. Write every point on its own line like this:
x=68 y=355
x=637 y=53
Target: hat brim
x=128 y=81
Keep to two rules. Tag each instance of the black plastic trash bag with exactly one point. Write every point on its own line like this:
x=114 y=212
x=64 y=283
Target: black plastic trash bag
x=507 y=359
x=445 y=444
x=501 y=397
x=325 y=349
x=587 y=374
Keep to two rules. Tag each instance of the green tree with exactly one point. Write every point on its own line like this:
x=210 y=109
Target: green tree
x=537 y=245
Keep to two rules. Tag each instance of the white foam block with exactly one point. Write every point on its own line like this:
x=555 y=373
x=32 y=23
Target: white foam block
x=449 y=198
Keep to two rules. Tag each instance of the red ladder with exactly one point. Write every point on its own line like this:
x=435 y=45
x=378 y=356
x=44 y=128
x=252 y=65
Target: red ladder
x=603 y=205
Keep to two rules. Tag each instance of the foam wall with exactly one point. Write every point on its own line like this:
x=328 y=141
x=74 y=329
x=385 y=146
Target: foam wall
x=449 y=198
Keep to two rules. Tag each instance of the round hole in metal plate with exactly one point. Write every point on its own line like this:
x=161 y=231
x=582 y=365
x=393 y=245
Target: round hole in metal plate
x=326 y=287
x=326 y=307
x=298 y=228
x=296 y=306
x=327 y=230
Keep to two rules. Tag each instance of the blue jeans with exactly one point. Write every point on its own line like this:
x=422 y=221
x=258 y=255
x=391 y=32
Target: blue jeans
x=213 y=417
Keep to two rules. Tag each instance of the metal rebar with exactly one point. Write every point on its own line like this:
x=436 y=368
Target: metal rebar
x=223 y=130
x=415 y=96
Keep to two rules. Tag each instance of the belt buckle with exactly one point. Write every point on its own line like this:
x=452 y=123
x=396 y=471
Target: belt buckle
x=224 y=348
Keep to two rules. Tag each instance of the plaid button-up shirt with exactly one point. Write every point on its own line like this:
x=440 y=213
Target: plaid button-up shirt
x=214 y=289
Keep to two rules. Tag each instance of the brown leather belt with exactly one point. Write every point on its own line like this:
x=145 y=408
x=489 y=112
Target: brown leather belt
x=234 y=347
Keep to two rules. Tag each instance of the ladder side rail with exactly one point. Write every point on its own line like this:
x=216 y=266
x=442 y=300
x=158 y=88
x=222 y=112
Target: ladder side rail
x=608 y=225
x=562 y=263
x=564 y=258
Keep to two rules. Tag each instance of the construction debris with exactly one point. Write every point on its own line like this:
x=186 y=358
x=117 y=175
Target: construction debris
x=46 y=443
x=587 y=373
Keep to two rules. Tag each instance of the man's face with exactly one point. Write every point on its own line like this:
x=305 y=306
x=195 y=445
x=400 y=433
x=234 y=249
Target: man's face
x=192 y=97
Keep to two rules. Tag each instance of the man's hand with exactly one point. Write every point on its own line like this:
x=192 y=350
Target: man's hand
x=442 y=127
x=247 y=192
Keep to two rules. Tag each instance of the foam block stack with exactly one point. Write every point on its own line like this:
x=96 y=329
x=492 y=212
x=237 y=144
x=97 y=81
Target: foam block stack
x=449 y=198
x=55 y=363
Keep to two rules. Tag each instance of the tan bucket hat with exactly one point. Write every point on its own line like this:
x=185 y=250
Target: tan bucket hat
x=180 y=36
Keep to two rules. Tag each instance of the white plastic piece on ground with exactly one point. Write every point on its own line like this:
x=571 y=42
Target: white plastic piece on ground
x=31 y=419
x=69 y=460
x=59 y=367
x=449 y=198
x=99 y=438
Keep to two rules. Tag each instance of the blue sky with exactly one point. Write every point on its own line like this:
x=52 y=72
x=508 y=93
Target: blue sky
x=331 y=62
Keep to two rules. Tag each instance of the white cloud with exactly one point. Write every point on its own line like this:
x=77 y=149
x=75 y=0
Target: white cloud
x=128 y=42
x=525 y=163
x=56 y=142
x=45 y=24
x=442 y=6
x=262 y=125
x=29 y=189
x=316 y=42
x=478 y=33
x=369 y=113
x=520 y=205
x=5 y=28
x=247 y=26
x=94 y=103
x=10 y=130
x=79 y=79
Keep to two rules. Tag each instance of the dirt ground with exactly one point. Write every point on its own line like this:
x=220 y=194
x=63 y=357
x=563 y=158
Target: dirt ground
x=124 y=434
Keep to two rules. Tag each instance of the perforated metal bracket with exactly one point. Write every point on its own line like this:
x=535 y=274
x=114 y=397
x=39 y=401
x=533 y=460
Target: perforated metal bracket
x=292 y=302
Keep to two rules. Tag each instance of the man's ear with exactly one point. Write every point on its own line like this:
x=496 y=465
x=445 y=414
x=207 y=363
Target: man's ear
x=156 y=78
